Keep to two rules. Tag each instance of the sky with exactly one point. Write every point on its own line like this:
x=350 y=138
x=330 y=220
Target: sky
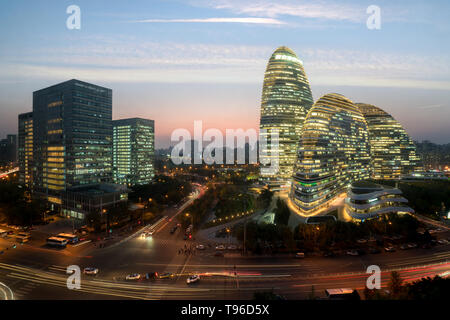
x=180 y=61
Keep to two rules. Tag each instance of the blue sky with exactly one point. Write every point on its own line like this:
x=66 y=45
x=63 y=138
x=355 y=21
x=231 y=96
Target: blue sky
x=180 y=61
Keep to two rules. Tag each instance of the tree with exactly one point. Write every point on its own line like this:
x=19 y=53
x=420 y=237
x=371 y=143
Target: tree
x=282 y=213
x=395 y=285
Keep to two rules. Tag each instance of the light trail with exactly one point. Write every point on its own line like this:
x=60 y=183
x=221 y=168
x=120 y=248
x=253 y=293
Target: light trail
x=6 y=292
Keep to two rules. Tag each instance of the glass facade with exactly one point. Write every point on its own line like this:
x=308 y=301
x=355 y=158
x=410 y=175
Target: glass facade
x=72 y=137
x=394 y=153
x=366 y=200
x=333 y=152
x=25 y=149
x=133 y=151
x=286 y=99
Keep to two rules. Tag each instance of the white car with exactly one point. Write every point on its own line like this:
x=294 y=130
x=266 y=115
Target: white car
x=220 y=247
x=200 y=247
x=133 y=276
x=193 y=279
x=352 y=253
x=90 y=270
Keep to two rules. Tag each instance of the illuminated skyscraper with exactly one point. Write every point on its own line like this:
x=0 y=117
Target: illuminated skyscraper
x=286 y=99
x=334 y=151
x=72 y=137
x=25 y=149
x=133 y=151
x=393 y=152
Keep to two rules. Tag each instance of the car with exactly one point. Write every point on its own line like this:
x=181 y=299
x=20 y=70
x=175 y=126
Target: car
x=374 y=250
x=443 y=241
x=404 y=247
x=172 y=231
x=167 y=275
x=90 y=271
x=193 y=279
x=412 y=245
x=144 y=235
x=232 y=247
x=218 y=254
x=133 y=276
x=299 y=255
x=150 y=232
x=151 y=275
x=361 y=241
x=220 y=247
x=353 y=253
x=200 y=247
x=389 y=249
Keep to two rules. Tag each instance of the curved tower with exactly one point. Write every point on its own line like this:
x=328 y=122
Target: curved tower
x=333 y=152
x=286 y=99
x=394 y=153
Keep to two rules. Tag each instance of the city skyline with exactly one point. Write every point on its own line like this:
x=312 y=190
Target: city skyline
x=160 y=60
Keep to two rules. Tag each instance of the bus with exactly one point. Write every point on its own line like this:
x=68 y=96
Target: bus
x=342 y=294
x=57 y=242
x=23 y=237
x=71 y=238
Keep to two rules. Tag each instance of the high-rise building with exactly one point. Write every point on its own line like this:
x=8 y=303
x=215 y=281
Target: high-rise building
x=286 y=99
x=72 y=131
x=133 y=151
x=394 y=153
x=334 y=151
x=8 y=149
x=25 y=149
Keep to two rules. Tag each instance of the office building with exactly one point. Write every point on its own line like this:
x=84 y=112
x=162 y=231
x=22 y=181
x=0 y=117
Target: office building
x=25 y=149
x=72 y=137
x=334 y=151
x=133 y=151
x=394 y=153
x=286 y=99
x=367 y=200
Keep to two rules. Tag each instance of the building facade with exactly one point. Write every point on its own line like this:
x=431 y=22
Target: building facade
x=8 y=149
x=394 y=153
x=286 y=99
x=80 y=201
x=366 y=200
x=333 y=152
x=25 y=149
x=133 y=151
x=72 y=137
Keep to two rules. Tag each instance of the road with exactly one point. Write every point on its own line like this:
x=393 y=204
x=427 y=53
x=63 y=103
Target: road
x=32 y=271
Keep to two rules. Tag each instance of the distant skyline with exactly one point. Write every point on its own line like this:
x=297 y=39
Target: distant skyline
x=180 y=61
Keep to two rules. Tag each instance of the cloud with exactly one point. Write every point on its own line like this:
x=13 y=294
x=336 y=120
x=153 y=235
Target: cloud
x=328 y=10
x=251 y=20
x=137 y=61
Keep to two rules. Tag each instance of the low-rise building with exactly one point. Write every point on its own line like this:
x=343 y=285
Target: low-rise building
x=77 y=202
x=366 y=200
